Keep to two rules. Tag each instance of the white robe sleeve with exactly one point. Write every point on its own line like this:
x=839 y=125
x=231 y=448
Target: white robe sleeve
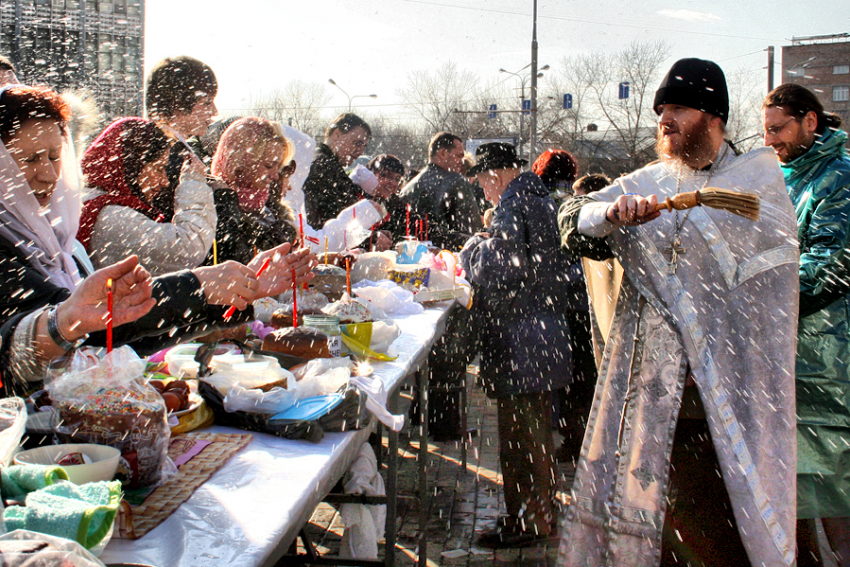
x=351 y=227
x=592 y=219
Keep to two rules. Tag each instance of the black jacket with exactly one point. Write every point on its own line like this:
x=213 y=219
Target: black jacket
x=521 y=277
x=449 y=203
x=327 y=189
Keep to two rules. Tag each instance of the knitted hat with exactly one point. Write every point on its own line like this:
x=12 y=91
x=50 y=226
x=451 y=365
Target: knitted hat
x=697 y=84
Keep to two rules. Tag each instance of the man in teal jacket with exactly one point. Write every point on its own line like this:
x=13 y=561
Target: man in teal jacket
x=811 y=149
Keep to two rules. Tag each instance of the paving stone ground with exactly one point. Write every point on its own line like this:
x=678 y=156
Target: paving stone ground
x=463 y=503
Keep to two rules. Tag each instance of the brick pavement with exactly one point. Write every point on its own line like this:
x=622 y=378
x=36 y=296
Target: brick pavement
x=463 y=502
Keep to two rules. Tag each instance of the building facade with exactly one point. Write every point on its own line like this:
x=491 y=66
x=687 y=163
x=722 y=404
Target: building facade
x=71 y=44
x=822 y=64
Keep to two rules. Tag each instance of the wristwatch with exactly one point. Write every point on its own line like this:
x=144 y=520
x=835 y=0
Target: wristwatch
x=56 y=335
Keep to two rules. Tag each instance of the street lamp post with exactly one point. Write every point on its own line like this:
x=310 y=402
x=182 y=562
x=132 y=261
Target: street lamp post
x=351 y=97
x=523 y=79
x=533 y=135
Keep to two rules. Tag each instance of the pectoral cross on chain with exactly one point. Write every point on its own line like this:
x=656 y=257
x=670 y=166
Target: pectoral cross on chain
x=675 y=249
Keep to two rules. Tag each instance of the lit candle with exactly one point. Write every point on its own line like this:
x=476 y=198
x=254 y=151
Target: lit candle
x=109 y=309
x=348 y=275
x=215 y=252
x=294 y=302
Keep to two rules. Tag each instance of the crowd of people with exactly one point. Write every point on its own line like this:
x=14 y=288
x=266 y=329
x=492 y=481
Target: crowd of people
x=694 y=361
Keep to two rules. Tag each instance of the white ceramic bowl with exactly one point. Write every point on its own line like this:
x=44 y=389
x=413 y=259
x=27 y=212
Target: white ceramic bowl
x=103 y=466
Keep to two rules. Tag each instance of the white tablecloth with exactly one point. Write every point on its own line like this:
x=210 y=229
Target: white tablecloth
x=259 y=500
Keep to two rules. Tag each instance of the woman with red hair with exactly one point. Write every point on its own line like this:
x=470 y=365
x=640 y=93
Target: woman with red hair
x=558 y=170
x=124 y=169
x=251 y=158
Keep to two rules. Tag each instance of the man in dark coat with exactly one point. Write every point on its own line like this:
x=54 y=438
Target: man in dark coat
x=444 y=195
x=327 y=189
x=520 y=275
x=441 y=197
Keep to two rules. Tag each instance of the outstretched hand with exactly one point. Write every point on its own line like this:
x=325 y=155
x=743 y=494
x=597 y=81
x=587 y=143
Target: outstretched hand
x=632 y=210
x=277 y=277
x=86 y=310
x=228 y=283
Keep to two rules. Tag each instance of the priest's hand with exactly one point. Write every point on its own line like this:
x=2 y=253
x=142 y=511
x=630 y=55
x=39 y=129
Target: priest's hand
x=632 y=210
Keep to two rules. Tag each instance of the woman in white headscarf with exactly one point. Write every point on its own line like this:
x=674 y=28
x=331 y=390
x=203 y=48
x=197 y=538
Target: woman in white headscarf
x=47 y=308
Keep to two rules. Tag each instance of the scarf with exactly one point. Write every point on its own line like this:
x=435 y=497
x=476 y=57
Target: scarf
x=105 y=167
x=43 y=235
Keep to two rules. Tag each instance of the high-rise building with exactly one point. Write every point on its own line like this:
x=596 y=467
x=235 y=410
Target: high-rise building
x=821 y=63
x=69 y=44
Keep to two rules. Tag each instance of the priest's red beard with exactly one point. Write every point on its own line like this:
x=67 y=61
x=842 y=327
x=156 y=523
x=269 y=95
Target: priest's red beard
x=692 y=147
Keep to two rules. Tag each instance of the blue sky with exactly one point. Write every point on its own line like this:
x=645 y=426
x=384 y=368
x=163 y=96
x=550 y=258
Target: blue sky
x=370 y=46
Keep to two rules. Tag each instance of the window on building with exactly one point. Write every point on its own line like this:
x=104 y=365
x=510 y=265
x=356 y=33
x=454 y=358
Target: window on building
x=105 y=7
x=58 y=4
x=841 y=93
x=841 y=70
x=797 y=72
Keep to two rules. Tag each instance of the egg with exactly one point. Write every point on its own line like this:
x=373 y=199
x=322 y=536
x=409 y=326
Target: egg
x=172 y=401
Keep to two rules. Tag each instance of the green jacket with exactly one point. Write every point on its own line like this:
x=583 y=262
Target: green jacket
x=819 y=186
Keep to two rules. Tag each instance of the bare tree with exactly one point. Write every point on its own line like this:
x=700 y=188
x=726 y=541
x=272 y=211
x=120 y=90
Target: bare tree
x=745 y=97
x=632 y=119
x=298 y=104
x=434 y=96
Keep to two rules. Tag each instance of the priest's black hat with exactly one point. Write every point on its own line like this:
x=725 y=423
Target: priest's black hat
x=695 y=83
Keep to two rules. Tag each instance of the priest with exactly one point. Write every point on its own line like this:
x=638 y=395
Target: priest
x=689 y=456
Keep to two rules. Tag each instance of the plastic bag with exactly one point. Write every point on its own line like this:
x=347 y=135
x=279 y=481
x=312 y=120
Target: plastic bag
x=371 y=339
x=111 y=404
x=388 y=296
x=13 y=423
x=323 y=376
x=240 y=384
x=373 y=266
x=22 y=548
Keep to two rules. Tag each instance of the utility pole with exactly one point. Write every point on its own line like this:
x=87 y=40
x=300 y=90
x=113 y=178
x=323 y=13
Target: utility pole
x=533 y=135
x=769 y=68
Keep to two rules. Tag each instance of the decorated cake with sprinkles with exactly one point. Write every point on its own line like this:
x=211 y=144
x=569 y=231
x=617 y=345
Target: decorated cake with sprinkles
x=133 y=422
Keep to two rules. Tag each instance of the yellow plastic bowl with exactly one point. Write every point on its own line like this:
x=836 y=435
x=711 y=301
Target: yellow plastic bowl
x=103 y=466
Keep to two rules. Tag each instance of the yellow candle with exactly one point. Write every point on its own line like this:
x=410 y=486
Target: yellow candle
x=326 y=250
x=215 y=252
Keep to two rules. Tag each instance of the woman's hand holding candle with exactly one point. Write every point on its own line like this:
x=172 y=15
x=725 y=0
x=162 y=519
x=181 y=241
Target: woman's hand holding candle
x=86 y=310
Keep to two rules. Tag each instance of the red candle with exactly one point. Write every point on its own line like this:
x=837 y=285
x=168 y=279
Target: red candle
x=232 y=309
x=294 y=301
x=301 y=223
x=348 y=275
x=408 y=221
x=109 y=309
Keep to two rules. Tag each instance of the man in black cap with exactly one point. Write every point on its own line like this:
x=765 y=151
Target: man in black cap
x=690 y=451
x=522 y=289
